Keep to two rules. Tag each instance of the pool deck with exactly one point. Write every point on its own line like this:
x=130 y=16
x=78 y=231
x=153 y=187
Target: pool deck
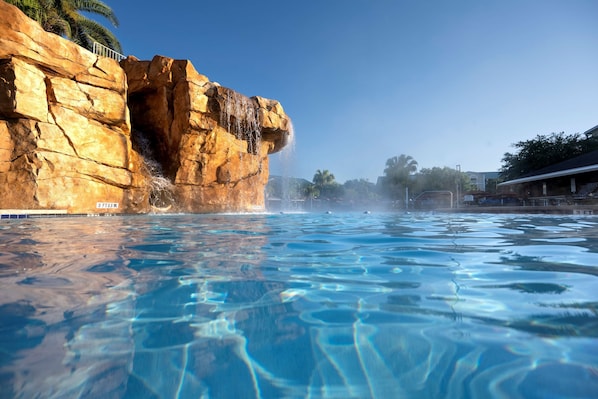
x=546 y=209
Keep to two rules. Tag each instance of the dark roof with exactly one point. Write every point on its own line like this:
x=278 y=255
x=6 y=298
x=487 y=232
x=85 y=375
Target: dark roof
x=581 y=164
x=591 y=131
x=591 y=158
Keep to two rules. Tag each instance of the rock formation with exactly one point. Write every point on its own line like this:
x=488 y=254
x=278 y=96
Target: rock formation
x=68 y=142
x=211 y=142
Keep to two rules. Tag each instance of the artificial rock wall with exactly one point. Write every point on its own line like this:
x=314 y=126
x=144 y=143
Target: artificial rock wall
x=211 y=142
x=84 y=134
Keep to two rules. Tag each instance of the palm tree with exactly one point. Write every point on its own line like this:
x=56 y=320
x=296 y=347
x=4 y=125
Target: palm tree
x=326 y=185
x=310 y=191
x=323 y=178
x=64 y=18
x=397 y=174
x=401 y=166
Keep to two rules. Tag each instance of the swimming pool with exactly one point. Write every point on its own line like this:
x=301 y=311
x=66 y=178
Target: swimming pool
x=299 y=306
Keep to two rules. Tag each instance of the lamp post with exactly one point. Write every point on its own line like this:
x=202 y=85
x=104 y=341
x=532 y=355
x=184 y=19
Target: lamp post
x=458 y=184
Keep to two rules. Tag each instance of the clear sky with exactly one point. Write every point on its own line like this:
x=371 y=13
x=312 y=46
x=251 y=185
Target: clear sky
x=447 y=82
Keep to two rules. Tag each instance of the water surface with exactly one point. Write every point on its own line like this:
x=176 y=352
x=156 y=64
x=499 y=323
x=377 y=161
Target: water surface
x=299 y=306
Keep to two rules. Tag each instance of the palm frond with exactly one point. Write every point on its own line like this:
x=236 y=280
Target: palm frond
x=54 y=23
x=93 y=31
x=32 y=8
x=96 y=7
x=64 y=18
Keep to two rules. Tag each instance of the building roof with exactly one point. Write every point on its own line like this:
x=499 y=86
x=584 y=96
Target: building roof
x=591 y=131
x=581 y=164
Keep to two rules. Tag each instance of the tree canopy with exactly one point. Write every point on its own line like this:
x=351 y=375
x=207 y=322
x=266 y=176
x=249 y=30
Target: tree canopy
x=397 y=175
x=544 y=150
x=360 y=190
x=443 y=179
x=326 y=185
x=65 y=18
x=323 y=177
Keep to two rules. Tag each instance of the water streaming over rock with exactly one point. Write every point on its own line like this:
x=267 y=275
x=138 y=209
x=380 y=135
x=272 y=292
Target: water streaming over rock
x=240 y=117
x=160 y=188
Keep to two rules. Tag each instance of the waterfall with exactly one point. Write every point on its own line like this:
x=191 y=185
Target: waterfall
x=240 y=117
x=160 y=188
x=286 y=159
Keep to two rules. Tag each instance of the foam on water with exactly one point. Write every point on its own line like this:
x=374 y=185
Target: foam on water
x=299 y=306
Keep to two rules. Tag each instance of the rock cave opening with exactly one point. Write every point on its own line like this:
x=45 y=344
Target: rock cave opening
x=161 y=188
x=149 y=138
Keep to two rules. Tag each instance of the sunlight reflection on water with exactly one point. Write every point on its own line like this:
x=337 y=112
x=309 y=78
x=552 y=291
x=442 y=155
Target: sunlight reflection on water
x=299 y=306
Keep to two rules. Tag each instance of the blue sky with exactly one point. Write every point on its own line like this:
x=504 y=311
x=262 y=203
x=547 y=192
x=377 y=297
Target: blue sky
x=447 y=82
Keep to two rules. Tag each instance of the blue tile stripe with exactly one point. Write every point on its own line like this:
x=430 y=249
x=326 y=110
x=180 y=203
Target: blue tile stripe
x=31 y=213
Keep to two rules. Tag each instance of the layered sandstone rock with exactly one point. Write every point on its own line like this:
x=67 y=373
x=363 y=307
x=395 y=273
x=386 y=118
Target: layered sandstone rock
x=64 y=125
x=66 y=137
x=211 y=142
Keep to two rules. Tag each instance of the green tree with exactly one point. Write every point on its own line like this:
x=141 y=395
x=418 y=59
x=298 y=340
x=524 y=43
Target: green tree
x=398 y=176
x=445 y=178
x=543 y=151
x=326 y=185
x=310 y=191
x=64 y=18
x=323 y=177
x=360 y=191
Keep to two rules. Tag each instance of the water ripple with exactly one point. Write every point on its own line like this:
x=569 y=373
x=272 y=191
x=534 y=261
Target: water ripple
x=300 y=306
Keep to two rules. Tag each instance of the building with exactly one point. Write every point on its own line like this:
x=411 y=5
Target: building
x=480 y=179
x=573 y=180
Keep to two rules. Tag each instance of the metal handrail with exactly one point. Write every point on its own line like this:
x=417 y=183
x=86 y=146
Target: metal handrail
x=103 y=51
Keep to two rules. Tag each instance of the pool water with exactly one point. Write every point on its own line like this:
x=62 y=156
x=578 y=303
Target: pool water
x=299 y=306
